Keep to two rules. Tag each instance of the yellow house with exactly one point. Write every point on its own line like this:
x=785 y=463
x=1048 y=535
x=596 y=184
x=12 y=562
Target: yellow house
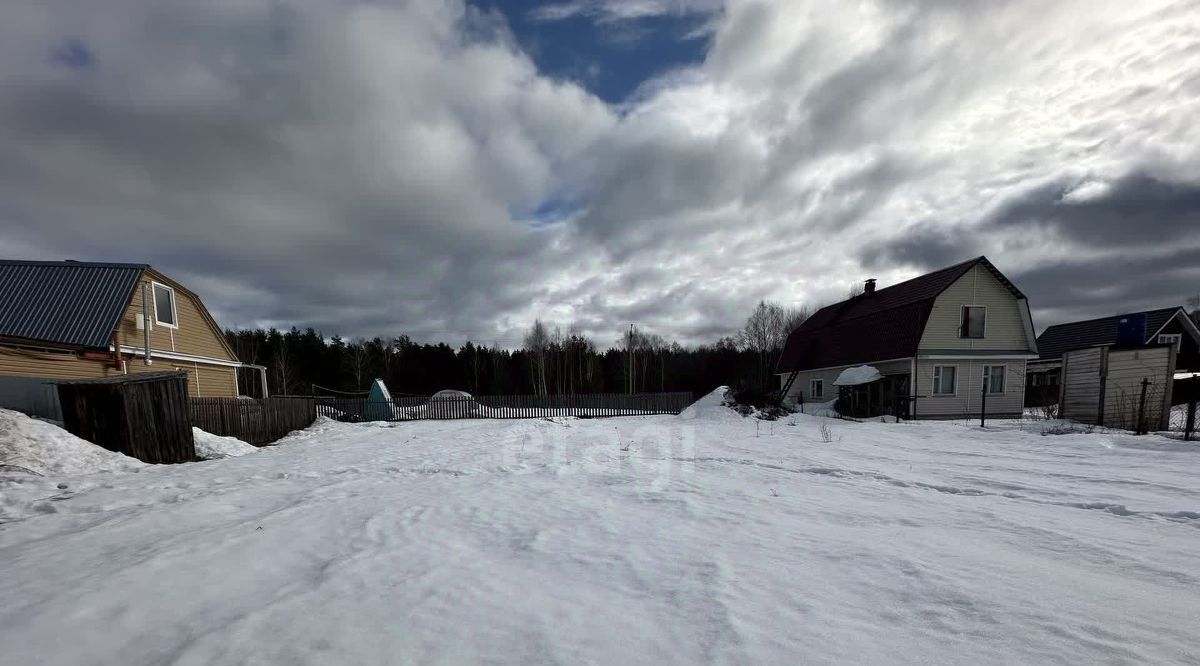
x=78 y=320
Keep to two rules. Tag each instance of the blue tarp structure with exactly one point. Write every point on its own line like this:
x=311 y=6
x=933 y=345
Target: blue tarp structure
x=379 y=403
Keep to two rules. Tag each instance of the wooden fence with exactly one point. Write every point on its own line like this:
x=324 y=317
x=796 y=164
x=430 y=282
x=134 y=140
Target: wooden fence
x=257 y=422
x=587 y=405
x=261 y=422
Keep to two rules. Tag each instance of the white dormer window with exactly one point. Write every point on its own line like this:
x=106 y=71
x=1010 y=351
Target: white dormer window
x=164 y=306
x=974 y=321
x=1171 y=339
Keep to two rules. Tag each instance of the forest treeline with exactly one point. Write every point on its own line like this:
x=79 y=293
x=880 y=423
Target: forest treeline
x=551 y=360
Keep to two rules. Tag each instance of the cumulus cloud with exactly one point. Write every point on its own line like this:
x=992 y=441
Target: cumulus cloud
x=379 y=168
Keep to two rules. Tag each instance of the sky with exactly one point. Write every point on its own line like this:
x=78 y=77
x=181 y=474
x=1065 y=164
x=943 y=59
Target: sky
x=453 y=170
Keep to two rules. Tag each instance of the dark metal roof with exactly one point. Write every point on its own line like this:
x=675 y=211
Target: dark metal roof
x=1062 y=338
x=77 y=304
x=874 y=327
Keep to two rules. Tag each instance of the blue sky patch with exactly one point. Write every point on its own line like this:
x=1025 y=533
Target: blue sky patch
x=609 y=58
x=73 y=53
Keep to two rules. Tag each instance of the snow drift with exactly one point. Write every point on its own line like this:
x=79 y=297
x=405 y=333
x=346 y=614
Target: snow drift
x=211 y=447
x=715 y=405
x=47 y=449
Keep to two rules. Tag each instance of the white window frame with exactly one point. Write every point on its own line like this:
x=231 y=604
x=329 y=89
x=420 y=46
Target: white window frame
x=933 y=389
x=962 y=329
x=813 y=393
x=987 y=377
x=174 y=304
x=1171 y=338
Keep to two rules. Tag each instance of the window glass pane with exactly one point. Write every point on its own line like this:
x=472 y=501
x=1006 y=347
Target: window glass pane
x=996 y=379
x=164 y=305
x=943 y=379
x=973 y=322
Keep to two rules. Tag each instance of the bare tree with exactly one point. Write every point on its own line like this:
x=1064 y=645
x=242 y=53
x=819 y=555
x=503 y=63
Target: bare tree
x=283 y=368
x=357 y=360
x=537 y=342
x=766 y=331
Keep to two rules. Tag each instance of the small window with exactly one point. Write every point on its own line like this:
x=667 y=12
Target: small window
x=944 y=377
x=817 y=388
x=974 y=321
x=164 y=305
x=993 y=378
x=1171 y=339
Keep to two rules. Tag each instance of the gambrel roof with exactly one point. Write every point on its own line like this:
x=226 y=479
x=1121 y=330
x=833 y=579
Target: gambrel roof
x=69 y=303
x=884 y=325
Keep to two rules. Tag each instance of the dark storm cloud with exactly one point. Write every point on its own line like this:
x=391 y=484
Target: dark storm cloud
x=355 y=166
x=1069 y=291
x=1138 y=209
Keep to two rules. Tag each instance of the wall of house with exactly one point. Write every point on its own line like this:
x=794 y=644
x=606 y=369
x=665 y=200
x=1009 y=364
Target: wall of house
x=803 y=379
x=209 y=381
x=195 y=334
x=204 y=381
x=965 y=403
x=1188 y=353
x=1005 y=324
x=18 y=362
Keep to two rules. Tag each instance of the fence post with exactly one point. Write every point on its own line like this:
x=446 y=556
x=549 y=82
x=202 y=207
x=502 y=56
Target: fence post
x=1141 y=419
x=1190 y=426
x=983 y=404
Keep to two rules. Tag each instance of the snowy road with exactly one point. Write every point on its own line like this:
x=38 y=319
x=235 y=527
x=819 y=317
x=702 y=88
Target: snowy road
x=638 y=540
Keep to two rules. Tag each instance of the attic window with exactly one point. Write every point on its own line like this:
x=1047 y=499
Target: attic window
x=1171 y=339
x=974 y=321
x=164 y=306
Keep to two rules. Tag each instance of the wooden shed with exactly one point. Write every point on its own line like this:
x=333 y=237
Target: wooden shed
x=144 y=415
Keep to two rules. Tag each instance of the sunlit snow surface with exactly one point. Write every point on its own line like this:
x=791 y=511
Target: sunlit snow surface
x=708 y=538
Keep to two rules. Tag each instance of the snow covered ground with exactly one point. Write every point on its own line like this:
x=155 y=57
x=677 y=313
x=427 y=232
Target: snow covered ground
x=700 y=538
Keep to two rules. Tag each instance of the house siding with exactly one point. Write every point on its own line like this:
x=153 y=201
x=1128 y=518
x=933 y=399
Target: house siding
x=204 y=380
x=965 y=402
x=195 y=336
x=1004 y=330
x=803 y=379
x=17 y=362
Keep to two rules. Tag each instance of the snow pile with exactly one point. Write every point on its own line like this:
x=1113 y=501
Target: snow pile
x=211 y=447
x=49 y=450
x=710 y=540
x=715 y=405
x=863 y=374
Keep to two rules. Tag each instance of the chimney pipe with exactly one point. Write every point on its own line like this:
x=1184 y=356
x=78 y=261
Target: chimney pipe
x=869 y=288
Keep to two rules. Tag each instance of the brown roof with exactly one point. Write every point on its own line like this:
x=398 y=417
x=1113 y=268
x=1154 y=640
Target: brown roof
x=885 y=325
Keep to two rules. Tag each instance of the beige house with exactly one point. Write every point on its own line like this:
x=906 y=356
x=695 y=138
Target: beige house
x=941 y=342
x=77 y=320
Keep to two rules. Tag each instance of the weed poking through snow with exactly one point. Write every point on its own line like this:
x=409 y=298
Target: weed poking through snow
x=826 y=433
